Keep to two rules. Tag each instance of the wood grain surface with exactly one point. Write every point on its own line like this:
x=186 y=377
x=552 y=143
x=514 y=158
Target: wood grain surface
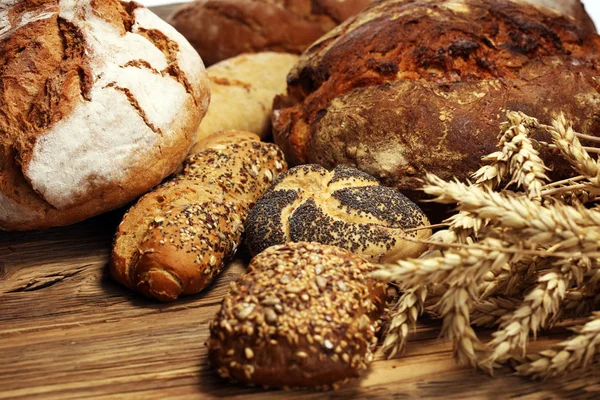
x=68 y=331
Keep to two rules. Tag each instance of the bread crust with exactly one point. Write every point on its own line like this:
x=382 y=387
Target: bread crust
x=304 y=315
x=177 y=238
x=84 y=124
x=221 y=29
x=407 y=87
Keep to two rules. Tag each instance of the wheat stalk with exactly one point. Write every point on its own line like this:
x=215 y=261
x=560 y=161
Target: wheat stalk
x=404 y=316
x=576 y=352
x=534 y=312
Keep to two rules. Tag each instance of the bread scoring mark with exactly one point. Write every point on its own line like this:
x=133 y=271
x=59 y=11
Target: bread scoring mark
x=7 y=28
x=135 y=104
x=264 y=226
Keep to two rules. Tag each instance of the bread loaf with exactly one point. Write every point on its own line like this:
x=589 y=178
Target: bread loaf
x=176 y=239
x=221 y=29
x=84 y=121
x=345 y=208
x=304 y=315
x=242 y=92
x=413 y=86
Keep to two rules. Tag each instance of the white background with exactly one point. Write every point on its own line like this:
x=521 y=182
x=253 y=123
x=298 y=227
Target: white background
x=592 y=6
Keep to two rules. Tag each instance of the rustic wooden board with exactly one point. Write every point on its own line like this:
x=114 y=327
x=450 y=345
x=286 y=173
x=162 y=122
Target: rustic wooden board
x=68 y=331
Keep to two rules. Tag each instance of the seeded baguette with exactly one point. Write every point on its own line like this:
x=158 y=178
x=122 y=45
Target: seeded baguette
x=304 y=315
x=176 y=239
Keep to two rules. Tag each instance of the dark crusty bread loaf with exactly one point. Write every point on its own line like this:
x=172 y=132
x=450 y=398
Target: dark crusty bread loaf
x=176 y=239
x=413 y=86
x=83 y=122
x=220 y=29
x=304 y=315
x=344 y=207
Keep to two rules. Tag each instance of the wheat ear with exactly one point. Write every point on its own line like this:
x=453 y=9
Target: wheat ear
x=574 y=353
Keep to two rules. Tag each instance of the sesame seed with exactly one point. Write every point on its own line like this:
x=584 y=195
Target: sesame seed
x=301 y=354
x=249 y=353
x=327 y=344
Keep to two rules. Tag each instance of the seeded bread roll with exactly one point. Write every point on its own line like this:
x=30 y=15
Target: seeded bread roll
x=221 y=29
x=242 y=92
x=99 y=102
x=176 y=239
x=304 y=315
x=345 y=208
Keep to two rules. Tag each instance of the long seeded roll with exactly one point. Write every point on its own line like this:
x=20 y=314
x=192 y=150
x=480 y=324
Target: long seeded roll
x=176 y=239
x=304 y=315
x=344 y=207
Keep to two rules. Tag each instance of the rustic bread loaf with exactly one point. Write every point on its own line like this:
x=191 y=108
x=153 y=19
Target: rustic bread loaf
x=176 y=239
x=345 y=208
x=99 y=102
x=221 y=29
x=242 y=92
x=413 y=86
x=304 y=315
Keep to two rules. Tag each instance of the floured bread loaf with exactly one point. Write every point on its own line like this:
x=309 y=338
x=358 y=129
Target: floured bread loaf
x=304 y=315
x=408 y=87
x=100 y=100
x=242 y=92
x=221 y=29
x=345 y=208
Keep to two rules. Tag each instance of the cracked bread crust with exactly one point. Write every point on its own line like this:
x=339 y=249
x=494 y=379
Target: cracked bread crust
x=221 y=29
x=408 y=87
x=101 y=100
x=304 y=315
x=344 y=207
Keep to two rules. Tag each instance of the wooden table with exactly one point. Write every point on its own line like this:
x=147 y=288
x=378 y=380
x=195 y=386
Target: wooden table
x=68 y=331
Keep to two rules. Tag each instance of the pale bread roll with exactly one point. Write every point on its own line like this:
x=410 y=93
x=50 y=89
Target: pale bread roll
x=243 y=89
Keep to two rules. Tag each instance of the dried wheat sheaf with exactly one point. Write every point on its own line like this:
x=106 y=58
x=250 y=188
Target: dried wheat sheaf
x=521 y=254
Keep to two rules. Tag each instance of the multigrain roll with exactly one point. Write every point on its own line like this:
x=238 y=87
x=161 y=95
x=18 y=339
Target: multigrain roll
x=99 y=102
x=177 y=238
x=344 y=207
x=409 y=87
x=304 y=315
x=221 y=29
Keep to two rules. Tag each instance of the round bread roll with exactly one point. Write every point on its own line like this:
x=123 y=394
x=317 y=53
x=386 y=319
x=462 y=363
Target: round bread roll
x=344 y=207
x=304 y=315
x=221 y=29
x=100 y=100
x=242 y=92
x=409 y=87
